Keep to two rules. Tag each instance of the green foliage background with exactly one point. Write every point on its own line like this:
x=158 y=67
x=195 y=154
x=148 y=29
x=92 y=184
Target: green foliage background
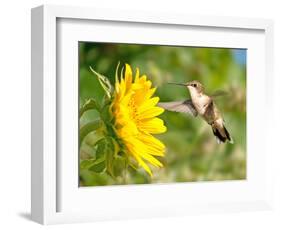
x=192 y=151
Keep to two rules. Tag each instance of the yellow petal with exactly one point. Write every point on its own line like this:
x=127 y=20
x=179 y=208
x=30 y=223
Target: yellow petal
x=134 y=151
x=148 y=104
x=148 y=84
x=150 y=113
x=150 y=93
x=137 y=87
x=128 y=76
x=137 y=75
x=155 y=152
x=122 y=87
x=127 y=97
x=152 y=160
x=150 y=140
x=154 y=126
x=143 y=79
x=143 y=164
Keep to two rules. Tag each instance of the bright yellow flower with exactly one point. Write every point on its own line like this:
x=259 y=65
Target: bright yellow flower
x=135 y=111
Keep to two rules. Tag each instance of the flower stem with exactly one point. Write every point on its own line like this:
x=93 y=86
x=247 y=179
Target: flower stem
x=89 y=127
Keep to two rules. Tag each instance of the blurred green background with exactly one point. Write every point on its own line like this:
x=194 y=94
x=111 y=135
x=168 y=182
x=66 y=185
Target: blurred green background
x=192 y=151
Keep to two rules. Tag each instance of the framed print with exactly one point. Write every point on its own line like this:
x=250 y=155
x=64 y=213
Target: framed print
x=138 y=114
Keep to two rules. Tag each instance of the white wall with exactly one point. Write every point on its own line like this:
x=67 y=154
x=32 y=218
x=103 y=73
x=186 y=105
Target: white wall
x=15 y=113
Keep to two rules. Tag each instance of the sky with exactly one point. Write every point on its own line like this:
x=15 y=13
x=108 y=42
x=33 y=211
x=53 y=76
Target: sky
x=240 y=55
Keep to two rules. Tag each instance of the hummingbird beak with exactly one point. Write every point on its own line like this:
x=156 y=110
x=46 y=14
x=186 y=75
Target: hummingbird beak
x=181 y=84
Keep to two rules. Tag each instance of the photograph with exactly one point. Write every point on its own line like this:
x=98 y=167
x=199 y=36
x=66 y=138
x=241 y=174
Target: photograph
x=154 y=114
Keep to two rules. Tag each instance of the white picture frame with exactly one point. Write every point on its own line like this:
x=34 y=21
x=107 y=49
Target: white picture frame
x=56 y=197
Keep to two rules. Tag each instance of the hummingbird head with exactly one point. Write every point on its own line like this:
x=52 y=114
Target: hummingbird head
x=193 y=86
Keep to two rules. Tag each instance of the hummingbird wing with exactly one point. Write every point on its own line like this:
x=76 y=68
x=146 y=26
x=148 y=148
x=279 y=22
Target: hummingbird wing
x=179 y=106
x=219 y=93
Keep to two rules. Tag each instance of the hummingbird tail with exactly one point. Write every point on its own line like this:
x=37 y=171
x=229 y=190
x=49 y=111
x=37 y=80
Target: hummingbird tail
x=221 y=133
x=229 y=138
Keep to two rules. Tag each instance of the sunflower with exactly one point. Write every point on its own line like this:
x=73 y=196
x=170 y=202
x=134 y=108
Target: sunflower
x=135 y=114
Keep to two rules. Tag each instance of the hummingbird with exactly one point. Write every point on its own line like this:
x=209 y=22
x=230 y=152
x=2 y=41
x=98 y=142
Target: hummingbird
x=203 y=105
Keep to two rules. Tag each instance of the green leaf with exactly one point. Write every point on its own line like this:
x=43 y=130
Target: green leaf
x=85 y=164
x=89 y=127
x=106 y=113
x=116 y=147
x=109 y=156
x=94 y=137
x=101 y=145
x=99 y=160
x=97 y=164
x=105 y=153
x=134 y=166
x=90 y=178
x=99 y=167
x=119 y=165
x=89 y=104
x=105 y=83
